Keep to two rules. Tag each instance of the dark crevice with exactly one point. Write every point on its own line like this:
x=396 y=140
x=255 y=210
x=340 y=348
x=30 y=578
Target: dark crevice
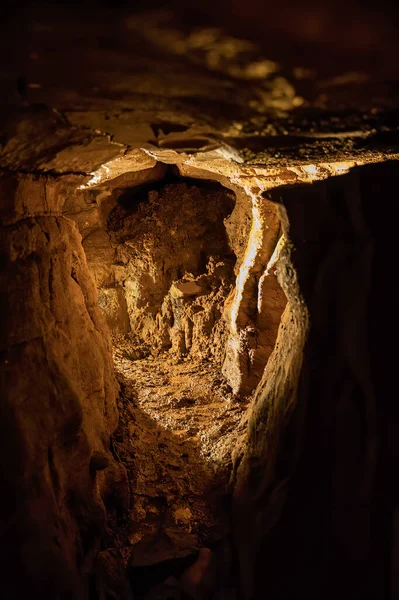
x=164 y=127
x=42 y=172
x=131 y=198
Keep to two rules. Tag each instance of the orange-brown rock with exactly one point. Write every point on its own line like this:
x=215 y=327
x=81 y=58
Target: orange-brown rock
x=57 y=412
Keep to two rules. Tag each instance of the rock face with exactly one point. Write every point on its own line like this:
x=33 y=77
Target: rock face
x=173 y=263
x=314 y=492
x=315 y=506
x=57 y=413
x=188 y=266
x=257 y=302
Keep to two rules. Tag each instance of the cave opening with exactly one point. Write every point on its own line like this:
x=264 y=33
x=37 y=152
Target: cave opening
x=186 y=276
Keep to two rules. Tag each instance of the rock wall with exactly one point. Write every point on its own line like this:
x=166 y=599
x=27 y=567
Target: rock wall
x=174 y=265
x=313 y=509
x=315 y=495
x=57 y=413
x=188 y=266
x=258 y=301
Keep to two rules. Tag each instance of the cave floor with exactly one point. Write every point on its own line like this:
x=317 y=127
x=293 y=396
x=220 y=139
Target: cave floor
x=179 y=424
x=187 y=397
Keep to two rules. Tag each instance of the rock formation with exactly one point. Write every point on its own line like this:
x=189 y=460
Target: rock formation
x=197 y=247
x=58 y=410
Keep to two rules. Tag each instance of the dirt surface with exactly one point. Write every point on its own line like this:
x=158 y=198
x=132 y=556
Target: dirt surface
x=174 y=248
x=189 y=398
x=178 y=427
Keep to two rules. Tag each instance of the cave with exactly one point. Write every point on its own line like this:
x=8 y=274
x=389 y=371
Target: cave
x=198 y=306
x=186 y=266
x=187 y=283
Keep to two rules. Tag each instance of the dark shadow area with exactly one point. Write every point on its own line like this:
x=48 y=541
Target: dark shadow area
x=337 y=534
x=130 y=199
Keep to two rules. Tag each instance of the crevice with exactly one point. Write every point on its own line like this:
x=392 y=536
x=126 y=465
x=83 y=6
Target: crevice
x=43 y=172
x=179 y=247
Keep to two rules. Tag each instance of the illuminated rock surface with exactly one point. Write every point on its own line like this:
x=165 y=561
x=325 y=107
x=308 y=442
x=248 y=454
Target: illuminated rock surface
x=223 y=220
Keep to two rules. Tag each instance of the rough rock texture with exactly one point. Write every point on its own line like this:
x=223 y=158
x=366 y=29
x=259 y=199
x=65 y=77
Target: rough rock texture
x=256 y=304
x=315 y=493
x=94 y=105
x=177 y=501
x=58 y=411
x=185 y=266
x=188 y=397
x=259 y=482
x=178 y=424
x=174 y=263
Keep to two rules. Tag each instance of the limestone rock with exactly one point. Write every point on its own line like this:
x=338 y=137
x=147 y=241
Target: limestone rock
x=111 y=580
x=198 y=580
x=88 y=221
x=314 y=487
x=185 y=289
x=58 y=409
x=100 y=257
x=113 y=304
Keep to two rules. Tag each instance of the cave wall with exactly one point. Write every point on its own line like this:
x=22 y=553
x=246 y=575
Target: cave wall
x=240 y=122
x=258 y=300
x=174 y=263
x=58 y=406
x=145 y=246
x=315 y=491
x=314 y=478
x=338 y=255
